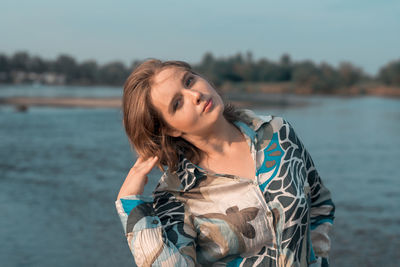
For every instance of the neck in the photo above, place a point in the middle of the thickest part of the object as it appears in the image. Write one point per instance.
(218, 141)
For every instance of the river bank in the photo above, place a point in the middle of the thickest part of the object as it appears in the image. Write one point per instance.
(267, 97)
(363, 89)
(238, 99)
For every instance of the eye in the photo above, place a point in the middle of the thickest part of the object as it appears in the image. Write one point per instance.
(189, 81)
(177, 104)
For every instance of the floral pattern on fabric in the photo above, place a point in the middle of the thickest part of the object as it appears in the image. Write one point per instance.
(195, 218)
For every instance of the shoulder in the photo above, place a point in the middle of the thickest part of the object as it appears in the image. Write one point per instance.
(168, 186)
(167, 199)
(260, 121)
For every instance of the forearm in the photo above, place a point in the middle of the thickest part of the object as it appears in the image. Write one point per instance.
(322, 208)
(321, 216)
(146, 237)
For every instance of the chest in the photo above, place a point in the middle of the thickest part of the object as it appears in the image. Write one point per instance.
(232, 215)
(239, 163)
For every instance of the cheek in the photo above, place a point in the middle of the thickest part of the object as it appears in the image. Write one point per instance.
(188, 117)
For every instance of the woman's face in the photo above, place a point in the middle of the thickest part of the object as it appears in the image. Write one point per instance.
(187, 102)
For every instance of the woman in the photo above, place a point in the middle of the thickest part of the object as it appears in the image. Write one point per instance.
(239, 190)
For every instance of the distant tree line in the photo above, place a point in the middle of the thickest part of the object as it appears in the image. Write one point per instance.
(320, 78)
(85, 73)
(324, 78)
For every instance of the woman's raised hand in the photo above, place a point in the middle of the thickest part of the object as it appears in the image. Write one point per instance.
(137, 177)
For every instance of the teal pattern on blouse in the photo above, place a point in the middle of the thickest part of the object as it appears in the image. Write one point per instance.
(196, 218)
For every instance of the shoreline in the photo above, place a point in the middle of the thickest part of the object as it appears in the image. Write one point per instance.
(239, 100)
(89, 102)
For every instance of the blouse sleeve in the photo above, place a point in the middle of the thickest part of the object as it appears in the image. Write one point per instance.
(322, 210)
(322, 207)
(156, 230)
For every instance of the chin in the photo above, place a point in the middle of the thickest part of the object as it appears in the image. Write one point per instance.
(219, 111)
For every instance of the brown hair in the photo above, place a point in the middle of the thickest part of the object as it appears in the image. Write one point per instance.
(144, 125)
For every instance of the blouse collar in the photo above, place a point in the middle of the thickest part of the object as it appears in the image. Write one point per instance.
(189, 174)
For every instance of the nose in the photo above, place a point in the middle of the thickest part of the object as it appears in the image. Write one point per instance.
(195, 95)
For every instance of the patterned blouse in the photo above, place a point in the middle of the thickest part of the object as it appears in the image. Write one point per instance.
(196, 218)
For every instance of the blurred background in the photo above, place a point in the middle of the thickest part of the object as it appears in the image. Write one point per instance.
(331, 68)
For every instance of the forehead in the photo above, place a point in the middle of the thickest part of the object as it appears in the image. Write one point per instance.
(167, 75)
(165, 85)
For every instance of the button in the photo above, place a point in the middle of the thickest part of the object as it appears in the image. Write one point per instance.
(269, 214)
(155, 222)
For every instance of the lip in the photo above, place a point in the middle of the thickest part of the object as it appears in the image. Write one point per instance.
(208, 105)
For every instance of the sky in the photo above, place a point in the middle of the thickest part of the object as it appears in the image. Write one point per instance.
(363, 32)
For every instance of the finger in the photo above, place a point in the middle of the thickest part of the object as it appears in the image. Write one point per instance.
(150, 163)
(139, 160)
(144, 166)
(153, 160)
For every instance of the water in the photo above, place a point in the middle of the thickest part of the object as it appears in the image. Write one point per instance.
(61, 169)
(59, 91)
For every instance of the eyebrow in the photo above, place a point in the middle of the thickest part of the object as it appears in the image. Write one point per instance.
(183, 79)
